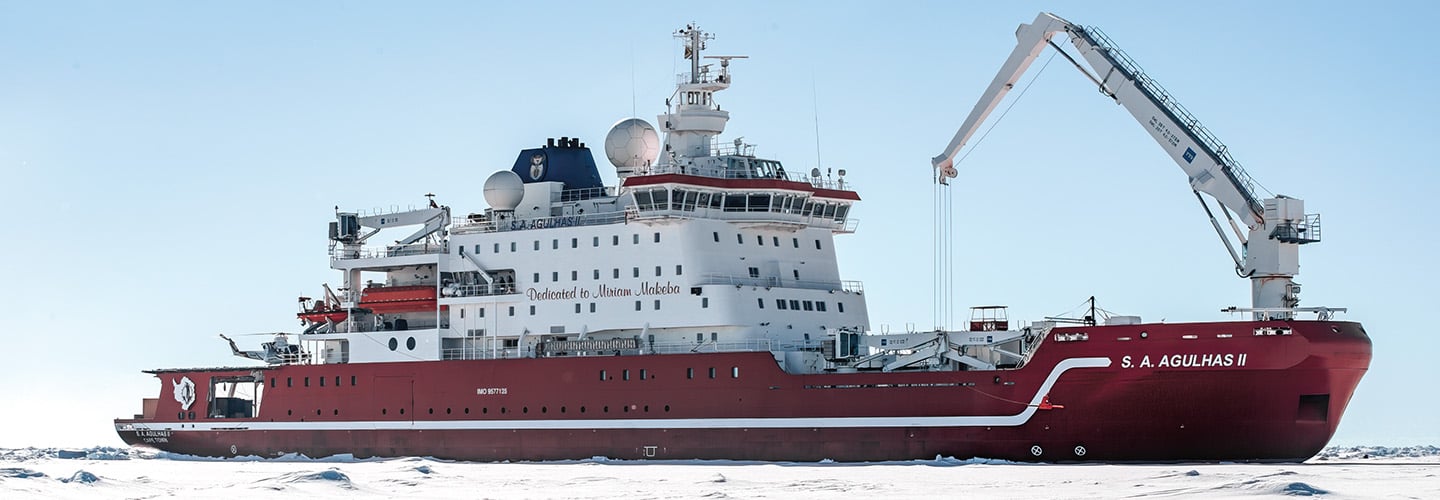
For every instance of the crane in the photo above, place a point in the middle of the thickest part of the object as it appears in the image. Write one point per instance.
(1275, 226)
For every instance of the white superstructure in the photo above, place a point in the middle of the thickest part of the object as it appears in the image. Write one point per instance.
(702, 247)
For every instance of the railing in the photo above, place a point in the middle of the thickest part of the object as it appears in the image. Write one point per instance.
(774, 281)
(339, 252)
(1178, 113)
(724, 172)
(518, 224)
(477, 290)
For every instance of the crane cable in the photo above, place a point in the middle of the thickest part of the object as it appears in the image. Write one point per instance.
(942, 256)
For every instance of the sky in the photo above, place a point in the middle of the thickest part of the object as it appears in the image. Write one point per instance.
(167, 169)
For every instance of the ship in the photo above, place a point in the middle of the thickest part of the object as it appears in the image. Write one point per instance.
(696, 310)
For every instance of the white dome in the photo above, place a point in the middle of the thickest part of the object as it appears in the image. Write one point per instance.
(504, 190)
(631, 144)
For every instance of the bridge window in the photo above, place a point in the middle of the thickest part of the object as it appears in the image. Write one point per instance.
(760, 240)
(794, 304)
(820, 306)
(754, 272)
(739, 239)
(817, 244)
(780, 304)
(809, 306)
(796, 241)
(716, 235)
(775, 240)
(761, 302)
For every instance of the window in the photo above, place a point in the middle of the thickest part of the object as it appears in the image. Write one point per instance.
(716, 235)
(616, 273)
(643, 375)
(657, 304)
(760, 240)
(462, 313)
(352, 381)
(679, 270)
(574, 242)
(635, 239)
(712, 372)
(595, 275)
(512, 310)
(734, 372)
(699, 339)
(595, 242)
(780, 304)
(840, 306)
(704, 302)
(482, 312)
(574, 275)
(555, 244)
(307, 381)
(624, 374)
(592, 307)
(796, 241)
(820, 305)
(817, 244)
(795, 305)
(739, 239)
(714, 337)
(537, 278)
(577, 308)
(637, 305)
(809, 306)
(754, 272)
(615, 240)
(761, 302)
(532, 310)
(602, 376)
(512, 246)
(635, 271)
(497, 248)
(322, 381)
(554, 275)
(795, 272)
(537, 244)
(289, 382)
(690, 372)
(657, 237)
(272, 381)
(775, 240)
(477, 248)
(657, 270)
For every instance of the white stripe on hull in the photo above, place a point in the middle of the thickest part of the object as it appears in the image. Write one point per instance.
(650, 423)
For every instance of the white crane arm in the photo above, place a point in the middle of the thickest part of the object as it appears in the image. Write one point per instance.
(1204, 159)
(1033, 38)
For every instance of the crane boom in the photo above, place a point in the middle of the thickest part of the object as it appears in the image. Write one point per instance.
(1277, 226)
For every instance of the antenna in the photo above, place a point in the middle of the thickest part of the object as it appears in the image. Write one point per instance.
(815, 110)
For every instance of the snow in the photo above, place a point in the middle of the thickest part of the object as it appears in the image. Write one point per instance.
(106, 472)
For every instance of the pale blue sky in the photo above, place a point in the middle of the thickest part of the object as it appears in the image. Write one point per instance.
(167, 168)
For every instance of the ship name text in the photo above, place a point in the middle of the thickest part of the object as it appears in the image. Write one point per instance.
(1186, 360)
(603, 291)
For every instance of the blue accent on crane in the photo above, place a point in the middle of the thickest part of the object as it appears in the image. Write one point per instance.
(1189, 155)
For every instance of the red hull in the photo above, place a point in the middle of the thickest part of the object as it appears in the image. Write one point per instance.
(1182, 392)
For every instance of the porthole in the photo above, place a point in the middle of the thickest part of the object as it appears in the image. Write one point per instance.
(384, 411)
(402, 411)
(582, 409)
(317, 412)
(432, 411)
(292, 412)
(544, 410)
(625, 409)
(667, 408)
(447, 411)
(503, 410)
(394, 344)
(562, 409)
(524, 409)
(410, 343)
(606, 409)
(647, 408)
(337, 411)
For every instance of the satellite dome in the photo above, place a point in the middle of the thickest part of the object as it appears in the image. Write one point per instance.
(504, 190)
(632, 144)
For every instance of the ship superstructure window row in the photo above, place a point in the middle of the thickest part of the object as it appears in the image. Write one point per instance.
(688, 200)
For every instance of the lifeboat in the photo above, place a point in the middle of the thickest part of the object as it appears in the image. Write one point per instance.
(398, 299)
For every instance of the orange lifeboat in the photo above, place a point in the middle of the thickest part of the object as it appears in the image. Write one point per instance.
(398, 299)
